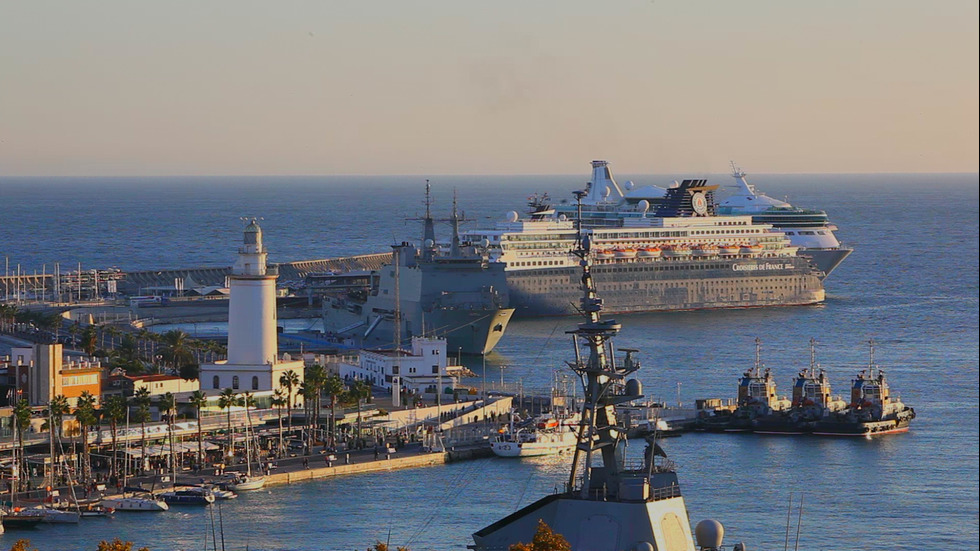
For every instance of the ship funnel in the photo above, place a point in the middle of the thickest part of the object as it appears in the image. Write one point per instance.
(709, 534)
(602, 187)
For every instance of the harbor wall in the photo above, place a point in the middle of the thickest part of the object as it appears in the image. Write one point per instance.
(393, 462)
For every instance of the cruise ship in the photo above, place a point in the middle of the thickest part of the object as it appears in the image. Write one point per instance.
(808, 229)
(674, 253)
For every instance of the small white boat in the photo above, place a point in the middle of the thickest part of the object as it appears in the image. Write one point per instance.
(548, 436)
(135, 504)
(246, 482)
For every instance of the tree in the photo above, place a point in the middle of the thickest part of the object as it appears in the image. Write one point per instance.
(358, 391)
(22, 545)
(545, 539)
(167, 405)
(226, 400)
(278, 401)
(86, 416)
(118, 545)
(177, 351)
(22, 422)
(333, 387)
(89, 340)
(290, 380)
(141, 399)
(114, 409)
(315, 378)
(199, 400)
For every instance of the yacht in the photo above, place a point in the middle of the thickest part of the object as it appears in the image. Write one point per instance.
(135, 503)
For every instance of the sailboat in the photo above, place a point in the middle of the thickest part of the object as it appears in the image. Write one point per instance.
(247, 481)
(133, 503)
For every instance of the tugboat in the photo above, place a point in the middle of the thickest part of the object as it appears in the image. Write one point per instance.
(812, 402)
(756, 399)
(872, 410)
(607, 502)
(551, 435)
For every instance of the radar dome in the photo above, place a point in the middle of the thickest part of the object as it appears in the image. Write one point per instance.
(629, 185)
(709, 533)
(634, 387)
(643, 205)
(512, 216)
(428, 244)
(675, 184)
(562, 218)
(606, 190)
(644, 546)
(485, 243)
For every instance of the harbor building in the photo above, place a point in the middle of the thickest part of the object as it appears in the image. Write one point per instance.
(253, 363)
(41, 372)
(419, 371)
(156, 384)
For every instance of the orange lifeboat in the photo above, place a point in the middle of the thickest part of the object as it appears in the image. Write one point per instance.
(706, 249)
(754, 249)
(729, 250)
(603, 254)
(624, 252)
(649, 252)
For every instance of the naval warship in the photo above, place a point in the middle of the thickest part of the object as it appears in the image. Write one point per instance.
(458, 294)
(614, 505)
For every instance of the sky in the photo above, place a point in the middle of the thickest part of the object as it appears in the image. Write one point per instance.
(243, 87)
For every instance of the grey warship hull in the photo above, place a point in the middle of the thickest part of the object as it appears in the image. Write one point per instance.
(667, 285)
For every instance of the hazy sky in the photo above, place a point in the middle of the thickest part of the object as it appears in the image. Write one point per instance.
(130, 87)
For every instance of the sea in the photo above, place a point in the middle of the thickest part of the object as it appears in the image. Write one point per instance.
(911, 285)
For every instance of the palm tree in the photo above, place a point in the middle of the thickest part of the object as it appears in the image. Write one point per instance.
(86, 416)
(89, 340)
(22, 422)
(278, 401)
(177, 349)
(316, 377)
(167, 405)
(199, 399)
(359, 390)
(141, 399)
(333, 387)
(248, 401)
(57, 409)
(226, 400)
(290, 380)
(114, 409)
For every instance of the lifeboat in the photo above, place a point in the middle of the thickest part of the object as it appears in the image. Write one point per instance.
(704, 250)
(755, 249)
(677, 250)
(649, 252)
(603, 254)
(624, 252)
(729, 250)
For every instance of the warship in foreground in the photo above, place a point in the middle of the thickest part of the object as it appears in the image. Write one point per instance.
(615, 505)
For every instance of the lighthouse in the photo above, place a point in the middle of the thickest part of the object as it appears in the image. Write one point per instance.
(253, 363)
(252, 306)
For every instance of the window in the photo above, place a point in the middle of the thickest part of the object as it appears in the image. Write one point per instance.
(234, 382)
(255, 383)
(435, 369)
(216, 382)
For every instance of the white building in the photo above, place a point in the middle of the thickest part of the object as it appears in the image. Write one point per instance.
(420, 371)
(253, 363)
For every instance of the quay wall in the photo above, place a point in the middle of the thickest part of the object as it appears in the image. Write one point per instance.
(379, 465)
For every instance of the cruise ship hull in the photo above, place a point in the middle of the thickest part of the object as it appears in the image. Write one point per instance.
(666, 285)
(827, 260)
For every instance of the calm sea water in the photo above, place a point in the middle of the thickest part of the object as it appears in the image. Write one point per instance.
(911, 284)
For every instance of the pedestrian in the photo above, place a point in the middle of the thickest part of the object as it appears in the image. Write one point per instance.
(306, 463)
(347, 458)
(375, 453)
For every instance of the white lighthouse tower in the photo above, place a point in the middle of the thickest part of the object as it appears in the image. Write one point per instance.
(253, 364)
